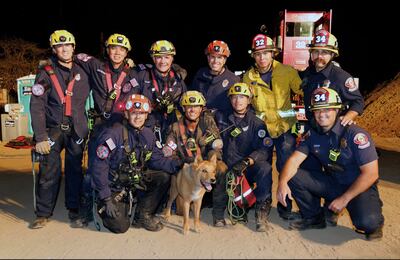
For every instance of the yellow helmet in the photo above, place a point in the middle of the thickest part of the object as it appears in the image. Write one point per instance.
(324, 40)
(324, 97)
(120, 40)
(61, 37)
(162, 47)
(193, 98)
(240, 88)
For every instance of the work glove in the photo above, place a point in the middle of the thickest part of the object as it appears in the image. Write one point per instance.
(43, 147)
(239, 168)
(111, 209)
(130, 62)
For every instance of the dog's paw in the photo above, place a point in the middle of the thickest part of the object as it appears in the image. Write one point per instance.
(197, 229)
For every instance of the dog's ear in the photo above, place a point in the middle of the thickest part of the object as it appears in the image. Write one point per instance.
(198, 159)
(213, 158)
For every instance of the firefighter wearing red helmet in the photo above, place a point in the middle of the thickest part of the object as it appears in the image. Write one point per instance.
(214, 81)
(323, 71)
(272, 83)
(348, 176)
(126, 155)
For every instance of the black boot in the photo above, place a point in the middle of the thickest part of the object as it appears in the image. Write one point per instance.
(147, 221)
(317, 222)
(262, 212)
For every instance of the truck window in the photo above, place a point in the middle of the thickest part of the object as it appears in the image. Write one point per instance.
(303, 29)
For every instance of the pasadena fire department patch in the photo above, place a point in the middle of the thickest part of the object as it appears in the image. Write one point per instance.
(37, 90)
(351, 84)
(102, 152)
(361, 140)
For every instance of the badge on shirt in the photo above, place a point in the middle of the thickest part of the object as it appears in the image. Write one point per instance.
(102, 152)
(225, 83)
(361, 140)
(351, 84)
(37, 90)
(158, 144)
(261, 133)
(78, 77)
(267, 142)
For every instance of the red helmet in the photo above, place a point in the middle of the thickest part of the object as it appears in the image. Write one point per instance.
(138, 103)
(263, 42)
(324, 40)
(218, 47)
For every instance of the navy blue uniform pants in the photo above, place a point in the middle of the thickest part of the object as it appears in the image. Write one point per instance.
(308, 188)
(49, 178)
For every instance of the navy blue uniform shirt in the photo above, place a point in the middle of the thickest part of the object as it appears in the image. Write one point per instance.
(354, 143)
(110, 152)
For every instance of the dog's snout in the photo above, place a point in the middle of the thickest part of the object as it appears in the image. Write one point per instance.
(212, 180)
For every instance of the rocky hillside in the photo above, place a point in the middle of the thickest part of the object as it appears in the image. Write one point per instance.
(381, 116)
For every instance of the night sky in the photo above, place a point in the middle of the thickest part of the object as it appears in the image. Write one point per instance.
(366, 34)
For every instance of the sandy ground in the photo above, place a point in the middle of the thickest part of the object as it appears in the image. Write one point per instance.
(58, 240)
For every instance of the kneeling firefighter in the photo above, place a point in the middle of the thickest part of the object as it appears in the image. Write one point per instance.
(129, 158)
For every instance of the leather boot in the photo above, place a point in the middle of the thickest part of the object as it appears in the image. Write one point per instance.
(39, 222)
(316, 222)
(148, 222)
(262, 212)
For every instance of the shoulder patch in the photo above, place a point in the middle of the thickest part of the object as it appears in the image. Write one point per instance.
(361, 140)
(351, 84)
(267, 142)
(37, 90)
(110, 143)
(306, 135)
(158, 144)
(261, 133)
(142, 66)
(102, 152)
(83, 57)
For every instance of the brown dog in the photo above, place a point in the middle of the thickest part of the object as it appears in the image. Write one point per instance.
(190, 183)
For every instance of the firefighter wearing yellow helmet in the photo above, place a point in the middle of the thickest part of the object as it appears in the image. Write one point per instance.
(346, 177)
(324, 72)
(59, 122)
(273, 83)
(193, 98)
(163, 83)
(119, 40)
(247, 149)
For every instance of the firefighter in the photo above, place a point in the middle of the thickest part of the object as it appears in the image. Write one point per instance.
(112, 80)
(324, 72)
(57, 109)
(247, 146)
(196, 134)
(349, 176)
(164, 85)
(272, 83)
(214, 81)
(129, 151)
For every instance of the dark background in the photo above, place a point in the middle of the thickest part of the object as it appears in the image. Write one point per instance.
(366, 31)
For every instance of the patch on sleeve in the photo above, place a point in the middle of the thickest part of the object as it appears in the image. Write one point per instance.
(267, 141)
(158, 144)
(261, 133)
(110, 143)
(83, 57)
(172, 145)
(37, 90)
(102, 152)
(351, 84)
(361, 140)
(225, 83)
